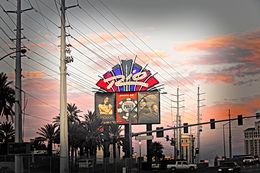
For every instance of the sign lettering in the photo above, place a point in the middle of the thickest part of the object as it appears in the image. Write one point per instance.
(121, 80)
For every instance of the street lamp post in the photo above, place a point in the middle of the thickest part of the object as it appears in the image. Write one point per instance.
(18, 88)
(23, 51)
(140, 153)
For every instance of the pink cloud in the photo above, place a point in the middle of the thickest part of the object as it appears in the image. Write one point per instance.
(245, 107)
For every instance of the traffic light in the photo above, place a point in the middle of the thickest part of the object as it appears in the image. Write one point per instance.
(172, 142)
(212, 123)
(186, 128)
(159, 134)
(167, 138)
(197, 151)
(240, 120)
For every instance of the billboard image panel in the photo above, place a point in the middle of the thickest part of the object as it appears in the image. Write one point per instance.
(105, 106)
(126, 106)
(148, 107)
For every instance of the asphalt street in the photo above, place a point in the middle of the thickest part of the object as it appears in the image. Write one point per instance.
(244, 169)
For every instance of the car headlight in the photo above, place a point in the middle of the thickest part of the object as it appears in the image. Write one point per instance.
(230, 169)
(219, 170)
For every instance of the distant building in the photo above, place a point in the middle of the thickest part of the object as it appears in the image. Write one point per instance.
(187, 143)
(252, 140)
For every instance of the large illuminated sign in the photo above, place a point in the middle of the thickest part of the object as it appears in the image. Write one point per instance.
(127, 76)
(128, 92)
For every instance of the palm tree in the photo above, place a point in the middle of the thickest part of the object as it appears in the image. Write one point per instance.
(38, 144)
(6, 132)
(72, 112)
(157, 151)
(49, 133)
(6, 135)
(115, 130)
(7, 98)
(93, 130)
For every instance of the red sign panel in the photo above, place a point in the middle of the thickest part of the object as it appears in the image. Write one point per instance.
(126, 104)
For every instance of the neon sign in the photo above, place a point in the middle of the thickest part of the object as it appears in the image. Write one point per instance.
(127, 76)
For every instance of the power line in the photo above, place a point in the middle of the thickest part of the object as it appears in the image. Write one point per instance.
(122, 22)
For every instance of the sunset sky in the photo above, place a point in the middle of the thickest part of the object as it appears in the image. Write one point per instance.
(190, 43)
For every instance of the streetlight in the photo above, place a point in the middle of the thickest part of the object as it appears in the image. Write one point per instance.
(23, 51)
(140, 153)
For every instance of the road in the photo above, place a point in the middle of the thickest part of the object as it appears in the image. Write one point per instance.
(244, 169)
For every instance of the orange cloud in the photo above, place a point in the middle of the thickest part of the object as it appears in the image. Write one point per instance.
(33, 74)
(246, 107)
(231, 58)
(213, 77)
(205, 44)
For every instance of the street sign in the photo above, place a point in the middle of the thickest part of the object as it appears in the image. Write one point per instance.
(19, 148)
(139, 138)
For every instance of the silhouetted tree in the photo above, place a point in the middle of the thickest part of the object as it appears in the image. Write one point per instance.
(7, 97)
(157, 151)
(6, 135)
(49, 133)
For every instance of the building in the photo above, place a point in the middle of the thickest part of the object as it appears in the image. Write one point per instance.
(187, 144)
(252, 140)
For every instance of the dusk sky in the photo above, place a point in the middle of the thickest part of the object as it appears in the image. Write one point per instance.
(190, 43)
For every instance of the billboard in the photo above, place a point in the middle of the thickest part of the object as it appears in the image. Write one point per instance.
(148, 107)
(126, 106)
(128, 90)
(105, 106)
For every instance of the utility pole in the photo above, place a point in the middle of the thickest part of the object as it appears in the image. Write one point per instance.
(174, 155)
(18, 86)
(178, 123)
(198, 121)
(230, 136)
(64, 150)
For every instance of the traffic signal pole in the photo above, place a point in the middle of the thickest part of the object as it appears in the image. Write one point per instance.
(189, 125)
(230, 135)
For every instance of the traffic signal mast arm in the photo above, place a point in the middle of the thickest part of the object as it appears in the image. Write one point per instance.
(190, 125)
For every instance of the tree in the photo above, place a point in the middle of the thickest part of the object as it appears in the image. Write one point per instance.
(49, 133)
(93, 131)
(157, 151)
(6, 132)
(73, 114)
(38, 144)
(115, 130)
(6, 135)
(7, 98)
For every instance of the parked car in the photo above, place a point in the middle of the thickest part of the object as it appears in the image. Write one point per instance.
(181, 165)
(229, 167)
(249, 160)
(257, 159)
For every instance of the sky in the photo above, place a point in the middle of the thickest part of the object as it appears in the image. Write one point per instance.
(190, 43)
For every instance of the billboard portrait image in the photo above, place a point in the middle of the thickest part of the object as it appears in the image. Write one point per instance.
(126, 106)
(105, 106)
(148, 108)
